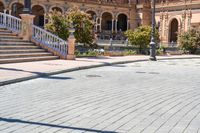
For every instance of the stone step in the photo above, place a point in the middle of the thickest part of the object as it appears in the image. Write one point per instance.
(14, 49)
(18, 47)
(11, 40)
(3, 56)
(7, 34)
(10, 51)
(15, 43)
(5, 31)
(27, 59)
(9, 37)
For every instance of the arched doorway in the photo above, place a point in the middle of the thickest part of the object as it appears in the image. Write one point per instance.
(173, 31)
(58, 9)
(92, 14)
(17, 9)
(122, 22)
(38, 11)
(106, 23)
(1, 7)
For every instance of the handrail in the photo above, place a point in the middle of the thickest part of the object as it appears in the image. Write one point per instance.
(51, 41)
(10, 22)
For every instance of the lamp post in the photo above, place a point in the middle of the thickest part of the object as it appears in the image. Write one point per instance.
(27, 6)
(153, 43)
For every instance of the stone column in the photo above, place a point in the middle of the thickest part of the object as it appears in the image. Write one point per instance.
(128, 21)
(10, 12)
(5, 11)
(27, 22)
(71, 46)
(100, 24)
(45, 19)
(96, 24)
(112, 25)
(116, 25)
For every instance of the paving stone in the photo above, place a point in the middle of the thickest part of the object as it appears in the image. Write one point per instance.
(155, 97)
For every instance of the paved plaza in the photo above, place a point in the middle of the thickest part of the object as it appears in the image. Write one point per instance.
(141, 97)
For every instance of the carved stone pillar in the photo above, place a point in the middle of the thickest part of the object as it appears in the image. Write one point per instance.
(189, 17)
(161, 27)
(166, 28)
(183, 20)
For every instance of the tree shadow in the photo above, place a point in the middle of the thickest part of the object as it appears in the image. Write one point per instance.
(52, 125)
(40, 74)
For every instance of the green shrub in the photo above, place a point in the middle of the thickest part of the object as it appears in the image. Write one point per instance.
(59, 24)
(88, 53)
(129, 52)
(161, 50)
(190, 40)
(141, 37)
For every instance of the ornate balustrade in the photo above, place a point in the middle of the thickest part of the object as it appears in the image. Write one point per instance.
(49, 40)
(10, 22)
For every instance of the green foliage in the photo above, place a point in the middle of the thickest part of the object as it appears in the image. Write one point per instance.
(83, 25)
(88, 53)
(97, 52)
(129, 52)
(190, 40)
(59, 24)
(161, 50)
(141, 37)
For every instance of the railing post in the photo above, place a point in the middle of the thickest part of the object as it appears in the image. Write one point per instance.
(71, 45)
(27, 28)
(4, 18)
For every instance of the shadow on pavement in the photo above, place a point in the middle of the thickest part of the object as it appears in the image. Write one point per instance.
(40, 74)
(52, 125)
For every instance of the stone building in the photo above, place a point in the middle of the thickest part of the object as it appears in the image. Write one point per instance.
(174, 17)
(112, 17)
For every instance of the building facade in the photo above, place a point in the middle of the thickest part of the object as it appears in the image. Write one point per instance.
(175, 17)
(112, 17)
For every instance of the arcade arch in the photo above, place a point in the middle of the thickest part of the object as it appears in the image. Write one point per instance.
(39, 12)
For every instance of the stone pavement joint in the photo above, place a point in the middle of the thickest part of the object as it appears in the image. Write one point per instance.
(18, 72)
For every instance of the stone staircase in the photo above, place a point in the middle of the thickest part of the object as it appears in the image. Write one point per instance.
(13, 49)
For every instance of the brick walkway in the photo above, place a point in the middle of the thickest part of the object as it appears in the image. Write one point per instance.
(147, 97)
